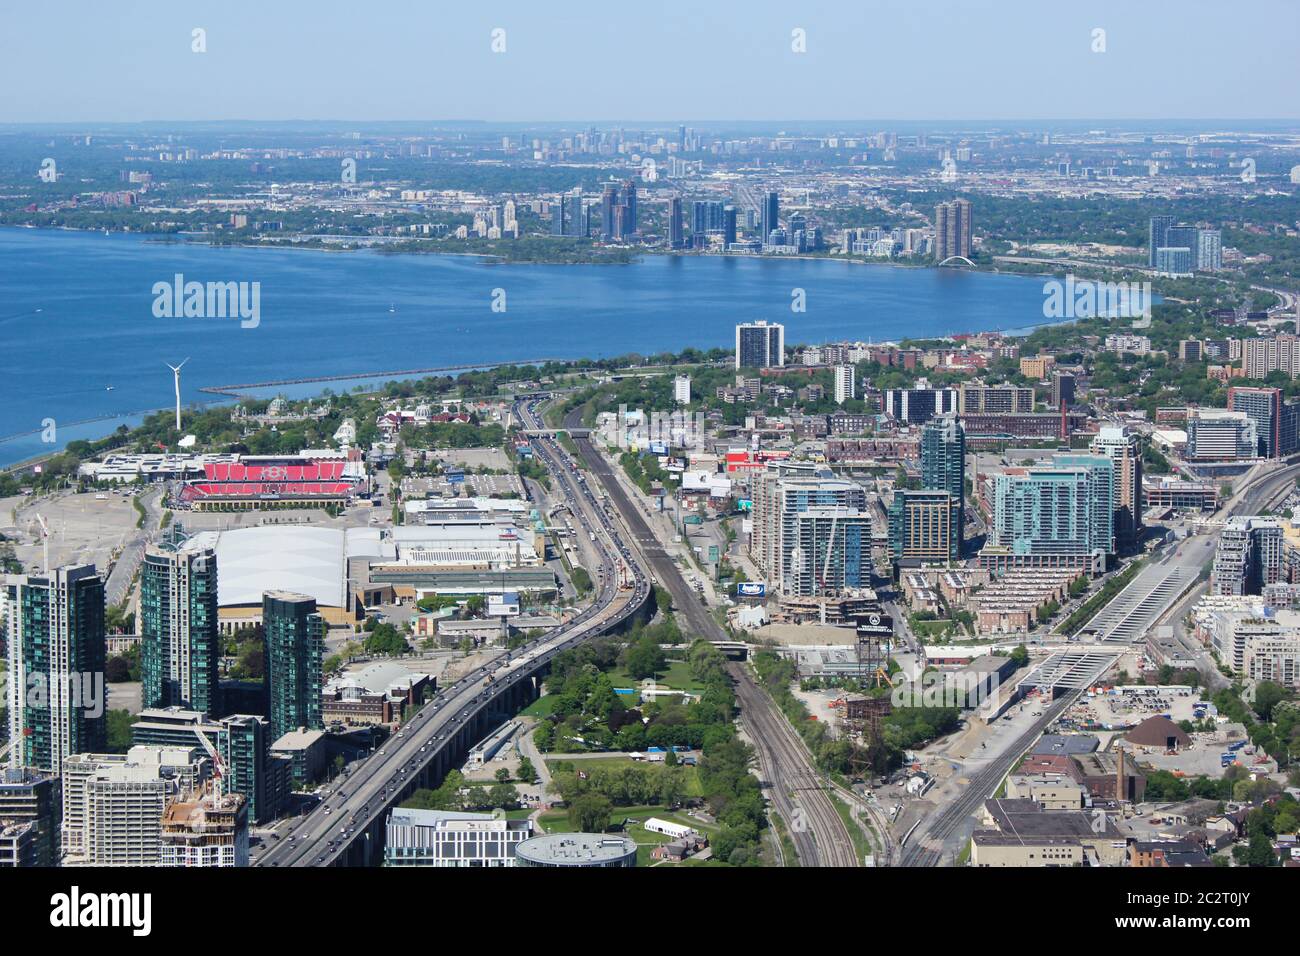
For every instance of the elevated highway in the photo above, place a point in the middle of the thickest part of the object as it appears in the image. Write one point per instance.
(347, 827)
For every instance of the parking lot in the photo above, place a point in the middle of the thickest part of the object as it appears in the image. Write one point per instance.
(85, 528)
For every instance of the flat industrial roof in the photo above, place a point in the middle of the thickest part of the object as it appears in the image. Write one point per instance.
(299, 558)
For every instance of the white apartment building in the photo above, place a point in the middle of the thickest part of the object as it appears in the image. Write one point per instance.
(113, 804)
(846, 384)
(1266, 354)
(1274, 658)
(447, 838)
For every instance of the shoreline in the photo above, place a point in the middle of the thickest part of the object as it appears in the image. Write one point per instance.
(233, 391)
(367, 244)
(405, 374)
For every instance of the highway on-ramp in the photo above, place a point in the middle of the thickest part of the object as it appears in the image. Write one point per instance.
(345, 825)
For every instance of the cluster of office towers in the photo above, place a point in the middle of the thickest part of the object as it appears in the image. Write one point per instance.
(1174, 249)
(926, 525)
(709, 217)
(1076, 511)
(571, 215)
(62, 794)
(811, 530)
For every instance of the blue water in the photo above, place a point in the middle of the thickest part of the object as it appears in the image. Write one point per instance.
(328, 314)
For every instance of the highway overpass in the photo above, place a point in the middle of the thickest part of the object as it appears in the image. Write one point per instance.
(347, 827)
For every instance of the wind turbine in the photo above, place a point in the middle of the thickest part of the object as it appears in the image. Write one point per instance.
(176, 372)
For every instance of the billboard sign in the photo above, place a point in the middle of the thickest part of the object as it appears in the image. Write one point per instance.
(751, 589)
(873, 625)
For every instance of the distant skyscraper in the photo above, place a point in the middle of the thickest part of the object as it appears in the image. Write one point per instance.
(577, 225)
(608, 203)
(629, 201)
(828, 550)
(682, 389)
(812, 530)
(1184, 237)
(1063, 389)
(1061, 514)
(1264, 407)
(1175, 260)
(1209, 250)
(845, 383)
(760, 345)
(943, 464)
(769, 215)
(54, 637)
(180, 647)
(729, 224)
(557, 215)
(251, 769)
(676, 230)
(294, 647)
(1157, 229)
(699, 216)
(923, 527)
(952, 229)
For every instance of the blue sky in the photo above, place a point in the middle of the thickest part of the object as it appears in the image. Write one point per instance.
(131, 60)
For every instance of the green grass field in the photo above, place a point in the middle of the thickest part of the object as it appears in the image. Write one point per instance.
(541, 707)
(677, 676)
(689, 774)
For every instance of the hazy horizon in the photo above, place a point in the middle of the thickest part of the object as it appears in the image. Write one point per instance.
(949, 61)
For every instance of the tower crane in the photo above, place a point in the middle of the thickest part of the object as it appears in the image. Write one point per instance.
(218, 765)
(45, 543)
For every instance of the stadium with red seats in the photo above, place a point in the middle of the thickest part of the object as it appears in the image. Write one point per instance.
(253, 483)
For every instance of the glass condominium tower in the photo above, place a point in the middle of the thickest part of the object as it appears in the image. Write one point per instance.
(943, 466)
(54, 638)
(295, 645)
(180, 646)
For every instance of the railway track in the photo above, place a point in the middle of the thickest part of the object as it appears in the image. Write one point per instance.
(927, 846)
(799, 792)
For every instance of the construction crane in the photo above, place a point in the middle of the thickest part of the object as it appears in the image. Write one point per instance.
(45, 543)
(830, 546)
(218, 766)
(826, 565)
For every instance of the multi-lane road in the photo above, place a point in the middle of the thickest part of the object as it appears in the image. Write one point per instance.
(799, 792)
(1127, 619)
(346, 827)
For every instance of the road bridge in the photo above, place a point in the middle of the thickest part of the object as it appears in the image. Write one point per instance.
(347, 827)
